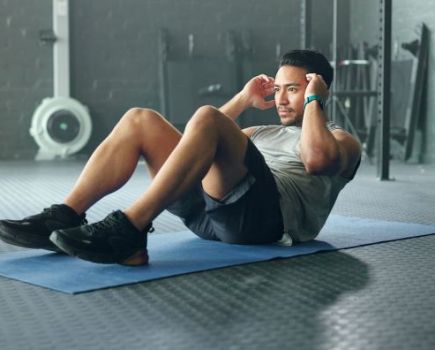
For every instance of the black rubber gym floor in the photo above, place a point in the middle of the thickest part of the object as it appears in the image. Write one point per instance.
(375, 297)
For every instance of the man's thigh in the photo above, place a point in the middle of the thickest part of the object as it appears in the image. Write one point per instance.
(248, 214)
(228, 167)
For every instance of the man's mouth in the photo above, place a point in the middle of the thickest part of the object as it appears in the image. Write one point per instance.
(284, 111)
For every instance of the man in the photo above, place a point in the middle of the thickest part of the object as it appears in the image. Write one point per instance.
(253, 186)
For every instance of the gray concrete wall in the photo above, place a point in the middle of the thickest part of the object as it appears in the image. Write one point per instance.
(26, 72)
(407, 16)
(114, 53)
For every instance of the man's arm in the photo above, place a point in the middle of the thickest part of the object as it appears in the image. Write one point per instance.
(324, 152)
(253, 94)
(236, 106)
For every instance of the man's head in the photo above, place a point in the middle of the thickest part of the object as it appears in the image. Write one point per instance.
(291, 82)
(311, 61)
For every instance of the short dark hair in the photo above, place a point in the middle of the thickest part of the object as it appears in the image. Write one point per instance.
(312, 61)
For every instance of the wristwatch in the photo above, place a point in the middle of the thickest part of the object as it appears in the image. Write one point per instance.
(312, 98)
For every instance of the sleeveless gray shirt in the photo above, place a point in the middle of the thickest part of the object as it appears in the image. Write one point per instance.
(305, 200)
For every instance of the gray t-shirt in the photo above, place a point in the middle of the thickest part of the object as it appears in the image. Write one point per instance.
(305, 200)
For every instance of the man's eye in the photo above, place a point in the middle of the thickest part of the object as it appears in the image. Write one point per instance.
(291, 89)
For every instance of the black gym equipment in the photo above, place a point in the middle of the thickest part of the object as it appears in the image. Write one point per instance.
(368, 78)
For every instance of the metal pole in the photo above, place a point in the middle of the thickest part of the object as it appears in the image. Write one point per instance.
(163, 73)
(305, 24)
(61, 48)
(334, 58)
(384, 89)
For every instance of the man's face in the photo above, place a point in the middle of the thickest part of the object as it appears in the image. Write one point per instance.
(290, 85)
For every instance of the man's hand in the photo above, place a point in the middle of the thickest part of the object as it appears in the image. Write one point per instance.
(253, 94)
(256, 90)
(316, 86)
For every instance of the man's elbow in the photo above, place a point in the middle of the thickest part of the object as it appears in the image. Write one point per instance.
(322, 166)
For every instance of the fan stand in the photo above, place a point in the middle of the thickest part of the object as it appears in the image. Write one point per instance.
(61, 125)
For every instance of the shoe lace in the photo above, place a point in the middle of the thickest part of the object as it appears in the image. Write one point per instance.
(103, 225)
(111, 223)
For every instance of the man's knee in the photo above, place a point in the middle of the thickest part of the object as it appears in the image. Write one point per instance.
(205, 117)
(207, 110)
(137, 117)
(143, 120)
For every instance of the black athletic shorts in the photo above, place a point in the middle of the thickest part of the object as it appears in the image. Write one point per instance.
(249, 213)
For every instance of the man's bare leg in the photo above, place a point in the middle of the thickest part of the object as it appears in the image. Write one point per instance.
(212, 149)
(140, 132)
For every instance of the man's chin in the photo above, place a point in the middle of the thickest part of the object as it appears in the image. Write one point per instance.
(289, 121)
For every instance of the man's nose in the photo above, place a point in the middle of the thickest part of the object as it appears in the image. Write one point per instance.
(282, 98)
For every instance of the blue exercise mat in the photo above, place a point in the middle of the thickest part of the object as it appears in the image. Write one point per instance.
(182, 252)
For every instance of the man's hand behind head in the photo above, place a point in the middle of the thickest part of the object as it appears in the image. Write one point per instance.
(316, 86)
(256, 90)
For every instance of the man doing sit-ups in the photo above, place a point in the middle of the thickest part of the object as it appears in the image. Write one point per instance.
(259, 185)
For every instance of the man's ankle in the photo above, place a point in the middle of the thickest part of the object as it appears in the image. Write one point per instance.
(140, 224)
(74, 209)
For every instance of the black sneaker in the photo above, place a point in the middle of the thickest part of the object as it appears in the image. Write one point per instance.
(112, 240)
(34, 231)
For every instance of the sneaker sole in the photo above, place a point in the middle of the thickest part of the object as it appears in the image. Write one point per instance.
(139, 258)
(31, 241)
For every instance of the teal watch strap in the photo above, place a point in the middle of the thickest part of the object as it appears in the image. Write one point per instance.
(312, 98)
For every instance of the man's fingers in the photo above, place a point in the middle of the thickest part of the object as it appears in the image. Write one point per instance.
(268, 104)
(266, 78)
(269, 90)
(316, 85)
(311, 76)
